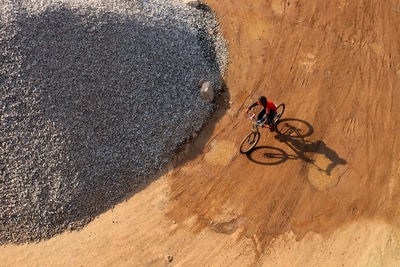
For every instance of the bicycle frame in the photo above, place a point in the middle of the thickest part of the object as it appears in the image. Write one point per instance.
(256, 124)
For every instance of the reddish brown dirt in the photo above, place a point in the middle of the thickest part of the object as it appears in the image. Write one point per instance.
(336, 67)
(324, 192)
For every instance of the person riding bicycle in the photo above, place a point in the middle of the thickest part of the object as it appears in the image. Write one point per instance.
(269, 109)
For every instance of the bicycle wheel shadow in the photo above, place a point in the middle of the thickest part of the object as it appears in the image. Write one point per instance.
(293, 132)
(267, 155)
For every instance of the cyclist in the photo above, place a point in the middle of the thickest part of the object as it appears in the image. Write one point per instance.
(269, 109)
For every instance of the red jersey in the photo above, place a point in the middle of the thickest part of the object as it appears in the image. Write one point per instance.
(269, 106)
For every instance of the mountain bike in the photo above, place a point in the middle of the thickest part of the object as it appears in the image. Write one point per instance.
(251, 140)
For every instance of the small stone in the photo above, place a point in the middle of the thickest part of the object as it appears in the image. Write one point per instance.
(174, 222)
(192, 3)
(207, 92)
(169, 258)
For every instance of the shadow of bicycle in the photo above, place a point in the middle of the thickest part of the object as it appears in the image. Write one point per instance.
(293, 136)
(293, 133)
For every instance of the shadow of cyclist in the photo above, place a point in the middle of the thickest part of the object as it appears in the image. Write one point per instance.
(301, 146)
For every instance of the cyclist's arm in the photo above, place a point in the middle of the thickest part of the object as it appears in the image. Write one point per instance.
(252, 106)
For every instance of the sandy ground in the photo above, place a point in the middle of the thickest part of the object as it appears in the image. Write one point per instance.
(324, 193)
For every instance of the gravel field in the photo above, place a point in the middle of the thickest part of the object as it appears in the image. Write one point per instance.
(95, 97)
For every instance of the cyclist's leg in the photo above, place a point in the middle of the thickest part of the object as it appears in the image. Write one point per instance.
(271, 117)
(261, 114)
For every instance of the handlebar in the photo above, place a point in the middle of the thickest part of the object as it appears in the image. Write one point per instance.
(252, 117)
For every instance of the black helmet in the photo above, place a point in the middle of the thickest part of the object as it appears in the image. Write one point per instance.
(262, 100)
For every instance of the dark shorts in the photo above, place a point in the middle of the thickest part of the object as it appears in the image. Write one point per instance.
(270, 116)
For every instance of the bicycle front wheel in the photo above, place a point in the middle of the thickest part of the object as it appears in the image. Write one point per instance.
(249, 142)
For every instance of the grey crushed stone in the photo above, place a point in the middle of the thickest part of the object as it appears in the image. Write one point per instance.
(94, 98)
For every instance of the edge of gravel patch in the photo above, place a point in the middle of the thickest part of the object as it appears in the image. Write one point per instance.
(74, 135)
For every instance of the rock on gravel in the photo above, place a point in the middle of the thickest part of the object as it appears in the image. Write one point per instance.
(94, 98)
(207, 92)
(192, 3)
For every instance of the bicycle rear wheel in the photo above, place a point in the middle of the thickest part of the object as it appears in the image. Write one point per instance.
(249, 142)
(279, 112)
